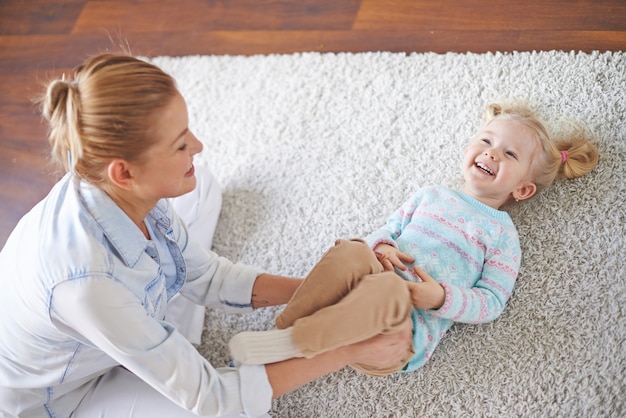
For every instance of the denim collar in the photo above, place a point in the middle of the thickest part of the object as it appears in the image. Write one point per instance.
(117, 227)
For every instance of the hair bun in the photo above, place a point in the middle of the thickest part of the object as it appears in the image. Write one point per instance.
(56, 98)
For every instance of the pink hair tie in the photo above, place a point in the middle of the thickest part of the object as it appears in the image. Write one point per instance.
(563, 156)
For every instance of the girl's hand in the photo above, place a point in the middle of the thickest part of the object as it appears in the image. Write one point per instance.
(384, 350)
(389, 256)
(428, 294)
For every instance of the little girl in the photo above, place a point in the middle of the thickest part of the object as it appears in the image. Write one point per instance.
(444, 256)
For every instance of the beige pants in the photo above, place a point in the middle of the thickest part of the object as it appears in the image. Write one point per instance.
(346, 298)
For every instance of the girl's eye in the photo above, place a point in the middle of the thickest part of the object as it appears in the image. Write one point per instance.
(486, 141)
(511, 154)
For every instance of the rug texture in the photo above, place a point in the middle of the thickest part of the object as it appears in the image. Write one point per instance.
(313, 147)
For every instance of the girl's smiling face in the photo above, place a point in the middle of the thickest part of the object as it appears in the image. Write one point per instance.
(497, 163)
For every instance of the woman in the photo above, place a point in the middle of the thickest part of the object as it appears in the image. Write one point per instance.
(88, 273)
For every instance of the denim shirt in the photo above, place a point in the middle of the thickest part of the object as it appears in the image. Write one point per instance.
(82, 290)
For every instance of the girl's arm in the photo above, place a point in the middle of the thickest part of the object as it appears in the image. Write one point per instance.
(396, 223)
(484, 301)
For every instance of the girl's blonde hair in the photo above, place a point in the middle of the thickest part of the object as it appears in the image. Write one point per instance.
(558, 158)
(104, 110)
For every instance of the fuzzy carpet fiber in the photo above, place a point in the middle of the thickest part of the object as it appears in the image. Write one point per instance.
(313, 147)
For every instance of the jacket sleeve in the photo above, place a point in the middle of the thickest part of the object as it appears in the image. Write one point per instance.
(105, 316)
(212, 280)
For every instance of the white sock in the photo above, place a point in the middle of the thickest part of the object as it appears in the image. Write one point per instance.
(263, 347)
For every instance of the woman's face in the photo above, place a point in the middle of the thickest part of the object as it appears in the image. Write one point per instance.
(167, 167)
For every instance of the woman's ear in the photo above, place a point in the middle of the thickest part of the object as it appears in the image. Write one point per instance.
(525, 191)
(119, 174)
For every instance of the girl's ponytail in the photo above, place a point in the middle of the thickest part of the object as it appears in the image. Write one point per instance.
(578, 157)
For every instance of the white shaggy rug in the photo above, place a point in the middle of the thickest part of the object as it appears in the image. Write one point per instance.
(312, 147)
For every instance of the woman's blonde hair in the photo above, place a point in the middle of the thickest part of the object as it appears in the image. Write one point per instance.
(558, 158)
(104, 110)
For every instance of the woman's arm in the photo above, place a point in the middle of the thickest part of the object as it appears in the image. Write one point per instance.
(271, 290)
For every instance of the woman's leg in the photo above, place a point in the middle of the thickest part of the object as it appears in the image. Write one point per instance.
(119, 394)
(200, 210)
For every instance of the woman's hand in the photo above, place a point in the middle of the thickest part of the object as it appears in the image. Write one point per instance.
(384, 350)
(389, 256)
(428, 294)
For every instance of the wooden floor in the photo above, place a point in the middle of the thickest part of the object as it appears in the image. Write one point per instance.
(43, 38)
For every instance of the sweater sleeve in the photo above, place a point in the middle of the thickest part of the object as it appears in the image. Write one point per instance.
(389, 233)
(486, 300)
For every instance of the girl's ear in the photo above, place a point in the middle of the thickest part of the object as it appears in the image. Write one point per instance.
(119, 173)
(525, 191)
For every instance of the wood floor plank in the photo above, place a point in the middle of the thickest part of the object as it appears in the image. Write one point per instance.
(248, 15)
(494, 15)
(20, 17)
(63, 52)
(573, 40)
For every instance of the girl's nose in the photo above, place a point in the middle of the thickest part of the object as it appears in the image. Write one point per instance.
(492, 154)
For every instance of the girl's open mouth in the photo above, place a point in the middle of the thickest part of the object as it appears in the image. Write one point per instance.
(484, 168)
